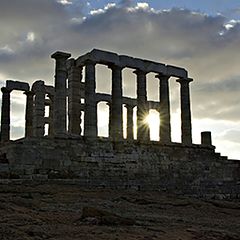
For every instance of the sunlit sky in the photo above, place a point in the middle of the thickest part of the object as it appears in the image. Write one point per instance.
(201, 36)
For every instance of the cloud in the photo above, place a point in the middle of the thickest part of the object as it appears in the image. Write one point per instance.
(125, 3)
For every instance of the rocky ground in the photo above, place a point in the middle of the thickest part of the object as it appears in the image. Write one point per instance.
(57, 211)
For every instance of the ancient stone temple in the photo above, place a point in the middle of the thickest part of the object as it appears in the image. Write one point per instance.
(78, 154)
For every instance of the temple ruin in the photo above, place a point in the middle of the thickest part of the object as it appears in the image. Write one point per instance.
(70, 152)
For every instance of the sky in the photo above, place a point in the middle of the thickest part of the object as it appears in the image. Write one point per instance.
(201, 36)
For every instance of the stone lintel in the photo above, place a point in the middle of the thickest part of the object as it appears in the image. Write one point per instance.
(49, 90)
(17, 85)
(104, 97)
(107, 58)
(156, 67)
(98, 56)
(131, 62)
(59, 55)
(176, 72)
(154, 105)
(28, 93)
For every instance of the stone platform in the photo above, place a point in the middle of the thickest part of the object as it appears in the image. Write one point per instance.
(192, 170)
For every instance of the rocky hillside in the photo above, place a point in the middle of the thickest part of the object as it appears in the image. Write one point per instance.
(61, 211)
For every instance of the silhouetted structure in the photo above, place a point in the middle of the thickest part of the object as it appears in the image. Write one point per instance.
(114, 161)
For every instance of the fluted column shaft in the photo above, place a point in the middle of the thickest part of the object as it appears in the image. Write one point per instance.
(5, 117)
(74, 99)
(29, 114)
(142, 106)
(116, 106)
(59, 121)
(90, 110)
(39, 109)
(165, 125)
(129, 121)
(185, 110)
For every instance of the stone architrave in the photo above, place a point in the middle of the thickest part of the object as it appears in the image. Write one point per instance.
(59, 116)
(5, 117)
(74, 98)
(116, 106)
(143, 132)
(90, 110)
(165, 125)
(129, 121)
(39, 109)
(185, 110)
(29, 114)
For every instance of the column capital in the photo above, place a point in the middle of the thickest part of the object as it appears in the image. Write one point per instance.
(129, 106)
(90, 62)
(50, 95)
(61, 55)
(184, 80)
(115, 67)
(29, 93)
(140, 72)
(5, 90)
(162, 77)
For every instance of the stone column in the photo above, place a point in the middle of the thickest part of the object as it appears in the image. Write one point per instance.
(5, 117)
(116, 109)
(39, 109)
(185, 110)
(29, 114)
(59, 117)
(206, 138)
(143, 132)
(165, 125)
(129, 121)
(90, 110)
(74, 98)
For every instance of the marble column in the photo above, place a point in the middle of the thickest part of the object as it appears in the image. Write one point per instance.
(59, 117)
(185, 110)
(29, 114)
(116, 107)
(74, 99)
(165, 125)
(90, 110)
(129, 121)
(5, 117)
(39, 109)
(143, 131)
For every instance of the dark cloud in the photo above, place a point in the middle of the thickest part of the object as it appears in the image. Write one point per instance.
(126, 3)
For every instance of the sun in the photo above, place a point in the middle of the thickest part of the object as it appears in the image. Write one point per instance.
(153, 121)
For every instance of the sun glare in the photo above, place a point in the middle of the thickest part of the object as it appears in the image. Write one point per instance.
(152, 119)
